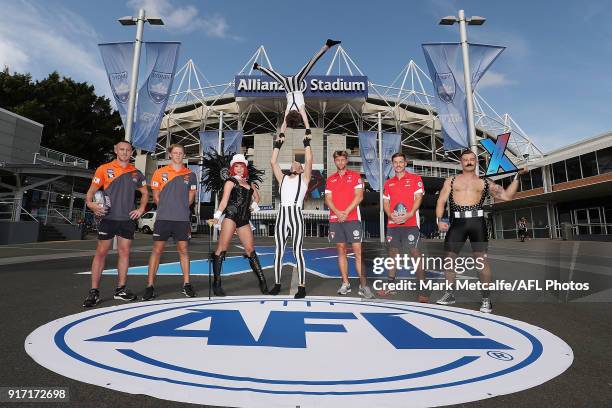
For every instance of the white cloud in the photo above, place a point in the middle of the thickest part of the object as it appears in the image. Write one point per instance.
(13, 57)
(493, 79)
(185, 18)
(39, 39)
(517, 46)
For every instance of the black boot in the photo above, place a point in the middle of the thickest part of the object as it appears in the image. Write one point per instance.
(255, 66)
(256, 267)
(276, 289)
(301, 293)
(217, 261)
(330, 43)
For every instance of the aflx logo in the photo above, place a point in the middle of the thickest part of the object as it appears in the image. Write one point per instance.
(497, 150)
(287, 329)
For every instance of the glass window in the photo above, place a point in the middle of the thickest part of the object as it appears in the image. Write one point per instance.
(573, 168)
(604, 159)
(589, 164)
(559, 175)
(541, 233)
(505, 182)
(539, 217)
(508, 221)
(536, 178)
(509, 234)
(608, 215)
(524, 212)
(526, 182)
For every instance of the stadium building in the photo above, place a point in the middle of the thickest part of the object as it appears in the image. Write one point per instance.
(565, 195)
(340, 103)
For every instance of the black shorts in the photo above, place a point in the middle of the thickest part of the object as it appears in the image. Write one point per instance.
(348, 232)
(179, 230)
(463, 228)
(109, 228)
(403, 238)
(240, 221)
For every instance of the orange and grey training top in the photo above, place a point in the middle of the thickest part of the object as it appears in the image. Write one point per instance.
(174, 187)
(120, 185)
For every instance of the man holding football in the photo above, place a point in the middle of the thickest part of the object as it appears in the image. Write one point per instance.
(402, 197)
(119, 181)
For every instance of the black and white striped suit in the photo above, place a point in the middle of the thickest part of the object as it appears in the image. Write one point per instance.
(290, 221)
(294, 84)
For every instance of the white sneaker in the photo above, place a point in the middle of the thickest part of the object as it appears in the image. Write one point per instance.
(345, 288)
(486, 306)
(446, 299)
(365, 292)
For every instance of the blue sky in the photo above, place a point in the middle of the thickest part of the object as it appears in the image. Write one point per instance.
(553, 79)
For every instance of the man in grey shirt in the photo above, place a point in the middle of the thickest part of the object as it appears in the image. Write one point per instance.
(174, 188)
(119, 181)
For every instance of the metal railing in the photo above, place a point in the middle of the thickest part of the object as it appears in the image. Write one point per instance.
(62, 216)
(605, 228)
(46, 155)
(10, 211)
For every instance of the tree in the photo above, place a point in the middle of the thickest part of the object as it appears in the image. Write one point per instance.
(76, 121)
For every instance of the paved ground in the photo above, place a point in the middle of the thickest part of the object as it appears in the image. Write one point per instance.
(40, 283)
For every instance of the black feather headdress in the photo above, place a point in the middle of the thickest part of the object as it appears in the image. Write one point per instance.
(215, 171)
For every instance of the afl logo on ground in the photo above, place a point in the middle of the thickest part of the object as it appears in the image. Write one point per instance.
(245, 351)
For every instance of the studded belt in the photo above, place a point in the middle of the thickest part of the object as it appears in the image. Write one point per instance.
(469, 214)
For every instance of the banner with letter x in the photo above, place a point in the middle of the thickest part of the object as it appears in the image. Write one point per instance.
(499, 162)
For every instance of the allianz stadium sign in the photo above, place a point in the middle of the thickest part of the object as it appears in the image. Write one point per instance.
(324, 352)
(317, 86)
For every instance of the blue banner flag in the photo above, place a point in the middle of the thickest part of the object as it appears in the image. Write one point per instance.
(497, 150)
(232, 141)
(369, 157)
(447, 77)
(209, 141)
(197, 170)
(153, 94)
(117, 59)
(390, 144)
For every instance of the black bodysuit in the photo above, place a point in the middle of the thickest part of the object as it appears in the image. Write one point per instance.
(462, 228)
(239, 204)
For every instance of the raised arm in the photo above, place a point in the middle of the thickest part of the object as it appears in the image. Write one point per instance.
(278, 173)
(308, 160)
(499, 193)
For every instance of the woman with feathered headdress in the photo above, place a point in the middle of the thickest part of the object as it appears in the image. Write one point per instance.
(238, 181)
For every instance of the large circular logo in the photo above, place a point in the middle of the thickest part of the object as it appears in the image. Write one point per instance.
(326, 352)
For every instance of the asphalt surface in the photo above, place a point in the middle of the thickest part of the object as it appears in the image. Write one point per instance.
(40, 283)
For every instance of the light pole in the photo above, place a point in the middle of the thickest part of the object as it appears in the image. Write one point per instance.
(139, 23)
(381, 180)
(467, 77)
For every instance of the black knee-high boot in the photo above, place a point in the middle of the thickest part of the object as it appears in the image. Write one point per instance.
(256, 267)
(217, 261)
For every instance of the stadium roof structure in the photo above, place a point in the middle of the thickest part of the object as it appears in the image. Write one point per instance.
(405, 106)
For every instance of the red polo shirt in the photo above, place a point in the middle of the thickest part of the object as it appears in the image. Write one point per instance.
(401, 194)
(342, 190)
